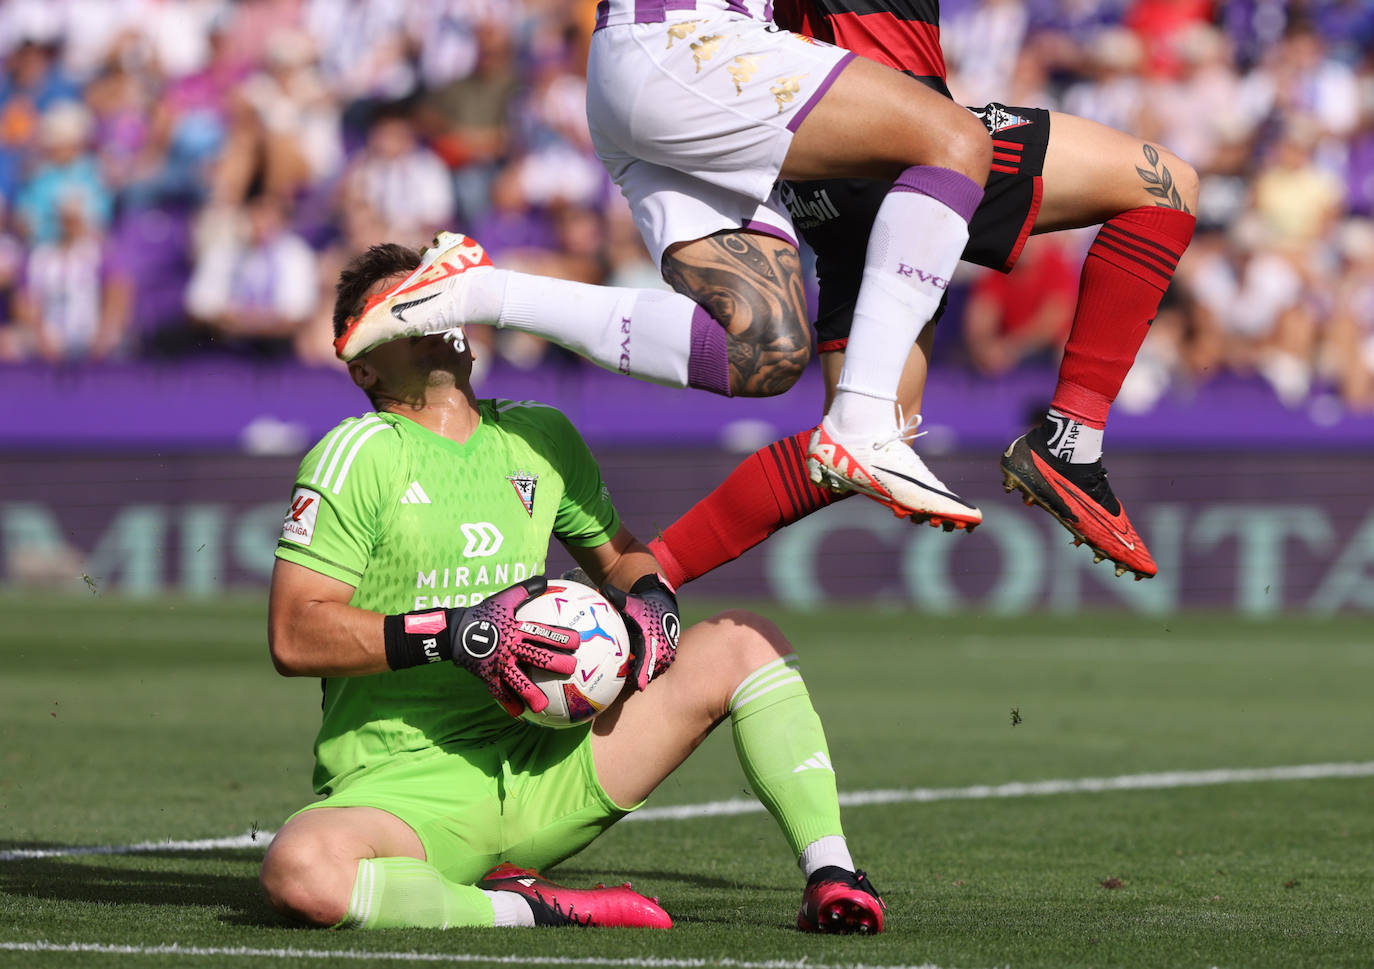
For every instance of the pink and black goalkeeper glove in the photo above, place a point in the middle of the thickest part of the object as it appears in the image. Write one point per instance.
(489, 642)
(650, 614)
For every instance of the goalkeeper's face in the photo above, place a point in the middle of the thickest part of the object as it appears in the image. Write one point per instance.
(405, 369)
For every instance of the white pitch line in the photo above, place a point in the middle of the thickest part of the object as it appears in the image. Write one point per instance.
(250, 839)
(438, 957)
(981, 792)
(714, 809)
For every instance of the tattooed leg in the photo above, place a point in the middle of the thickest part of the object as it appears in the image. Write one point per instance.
(1093, 172)
(752, 284)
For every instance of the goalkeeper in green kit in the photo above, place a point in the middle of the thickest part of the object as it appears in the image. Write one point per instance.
(413, 535)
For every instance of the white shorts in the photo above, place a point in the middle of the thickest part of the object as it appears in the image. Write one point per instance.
(693, 119)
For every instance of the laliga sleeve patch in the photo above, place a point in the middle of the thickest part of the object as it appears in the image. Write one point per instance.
(299, 524)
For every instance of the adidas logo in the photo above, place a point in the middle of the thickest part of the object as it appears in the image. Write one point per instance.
(817, 761)
(415, 495)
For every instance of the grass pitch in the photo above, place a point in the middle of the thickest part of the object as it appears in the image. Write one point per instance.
(128, 723)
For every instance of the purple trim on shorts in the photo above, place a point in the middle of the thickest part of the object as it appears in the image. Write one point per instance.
(763, 228)
(815, 98)
(708, 365)
(603, 11)
(954, 189)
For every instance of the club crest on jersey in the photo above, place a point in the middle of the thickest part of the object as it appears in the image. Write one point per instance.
(997, 118)
(524, 483)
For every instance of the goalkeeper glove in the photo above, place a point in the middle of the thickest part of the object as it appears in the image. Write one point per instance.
(650, 614)
(489, 642)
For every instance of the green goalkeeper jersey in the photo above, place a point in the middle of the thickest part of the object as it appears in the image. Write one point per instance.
(413, 520)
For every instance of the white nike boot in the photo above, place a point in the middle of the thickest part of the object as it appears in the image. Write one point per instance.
(886, 469)
(427, 301)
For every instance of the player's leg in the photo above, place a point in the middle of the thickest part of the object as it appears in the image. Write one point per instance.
(358, 866)
(878, 123)
(1094, 172)
(875, 122)
(752, 284)
(650, 334)
(1144, 197)
(740, 666)
(736, 325)
(766, 491)
(362, 867)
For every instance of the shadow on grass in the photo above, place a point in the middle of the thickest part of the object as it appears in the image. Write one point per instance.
(165, 878)
(143, 879)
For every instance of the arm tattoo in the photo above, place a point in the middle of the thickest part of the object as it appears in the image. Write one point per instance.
(752, 284)
(1159, 182)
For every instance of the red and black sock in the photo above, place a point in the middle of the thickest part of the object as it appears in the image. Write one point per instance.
(1127, 270)
(768, 490)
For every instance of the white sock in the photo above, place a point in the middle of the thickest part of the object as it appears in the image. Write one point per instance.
(1072, 440)
(918, 235)
(856, 411)
(654, 335)
(511, 909)
(830, 850)
(478, 296)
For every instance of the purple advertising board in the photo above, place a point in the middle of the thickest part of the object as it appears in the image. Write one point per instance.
(230, 405)
(1252, 532)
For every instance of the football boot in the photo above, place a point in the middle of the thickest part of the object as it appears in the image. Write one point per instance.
(427, 301)
(840, 902)
(886, 469)
(555, 904)
(1079, 497)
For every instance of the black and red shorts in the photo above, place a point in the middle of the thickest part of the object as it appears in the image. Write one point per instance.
(834, 217)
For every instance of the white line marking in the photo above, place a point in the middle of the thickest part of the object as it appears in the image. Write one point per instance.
(980, 792)
(715, 809)
(251, 839)
(439, 957)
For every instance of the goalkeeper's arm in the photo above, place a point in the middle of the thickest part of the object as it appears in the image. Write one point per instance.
(313, 631)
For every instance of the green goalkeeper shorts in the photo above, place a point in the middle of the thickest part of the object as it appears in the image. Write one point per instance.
(531, 798)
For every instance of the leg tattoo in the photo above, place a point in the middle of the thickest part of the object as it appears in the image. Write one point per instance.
(752, 284)
(1159, 182)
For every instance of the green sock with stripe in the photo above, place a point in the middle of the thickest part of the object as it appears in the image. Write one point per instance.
(781, 746)
(391, 893)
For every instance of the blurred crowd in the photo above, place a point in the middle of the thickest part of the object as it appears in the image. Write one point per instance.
(1273, 104)
(187, 176)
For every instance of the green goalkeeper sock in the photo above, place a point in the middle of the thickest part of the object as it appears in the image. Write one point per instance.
(781, 746)
(392, 893)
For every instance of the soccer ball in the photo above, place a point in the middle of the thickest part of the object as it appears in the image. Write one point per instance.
(603, 658)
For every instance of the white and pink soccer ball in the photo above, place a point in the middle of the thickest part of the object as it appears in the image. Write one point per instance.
(603, 657)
